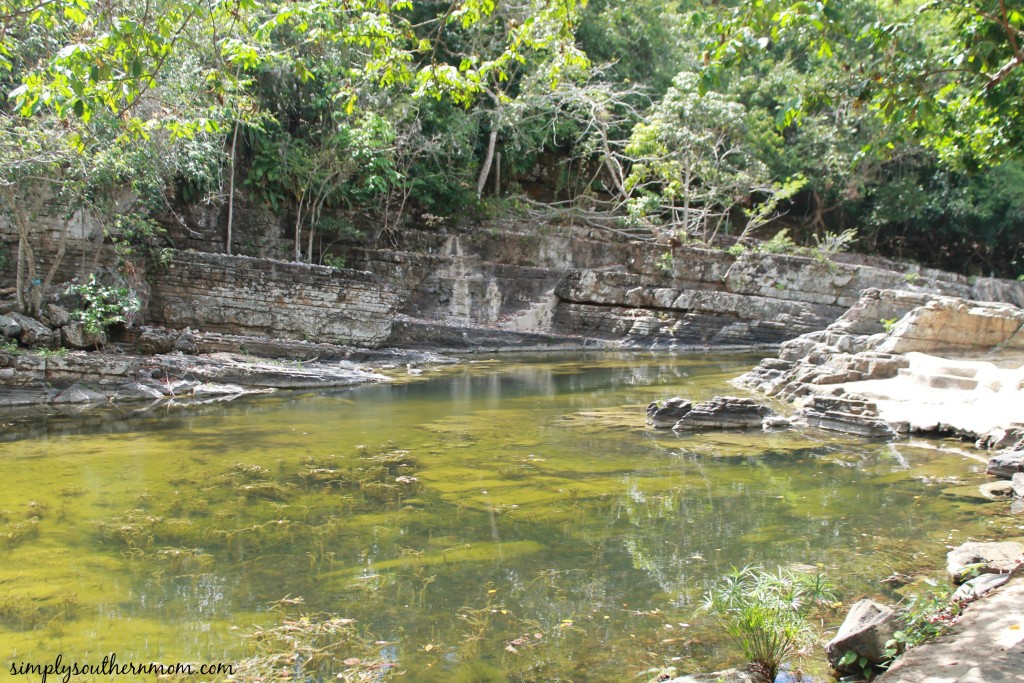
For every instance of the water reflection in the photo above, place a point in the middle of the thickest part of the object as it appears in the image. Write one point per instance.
(489, 507)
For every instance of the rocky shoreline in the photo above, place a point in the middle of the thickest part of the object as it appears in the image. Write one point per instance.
(898, 363)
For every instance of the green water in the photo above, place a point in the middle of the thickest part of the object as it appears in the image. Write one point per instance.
(492, 522)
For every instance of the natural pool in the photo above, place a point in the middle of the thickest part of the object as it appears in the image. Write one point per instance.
(496, 521)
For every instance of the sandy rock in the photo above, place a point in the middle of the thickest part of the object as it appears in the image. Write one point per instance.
(776, 423)
(948, 323)
(724, 412)
(970, 559)
(664, 415)
(866, 629)
(913, 391)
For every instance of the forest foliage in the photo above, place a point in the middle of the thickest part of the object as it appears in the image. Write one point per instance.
(675, 121)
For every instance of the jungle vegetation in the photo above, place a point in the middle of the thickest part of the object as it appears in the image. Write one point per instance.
(687, 120)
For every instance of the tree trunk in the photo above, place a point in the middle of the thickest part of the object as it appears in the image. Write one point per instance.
(57, 258)
(485, 171)
(497, 175)
(298, 227)
(231, 192)
(19, 278)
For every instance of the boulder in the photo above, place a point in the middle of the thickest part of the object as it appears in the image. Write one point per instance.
(58, 315)
(154, 341)
(1018, 485)
(724, 412)
(33, 332)
(978, 586)
(1006, 464)
(9, 327)
(186, 342)
(998, 439)
(774, 423)
(972, 559)
(664, 415)
(846, 415)
(74, 336)
(867, 628)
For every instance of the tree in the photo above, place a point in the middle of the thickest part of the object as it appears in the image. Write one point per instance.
(695, 160)
(948, 72)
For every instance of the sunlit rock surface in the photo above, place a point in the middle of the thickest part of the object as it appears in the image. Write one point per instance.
(875, 353)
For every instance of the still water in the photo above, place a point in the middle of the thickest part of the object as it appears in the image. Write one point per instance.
(497, 521)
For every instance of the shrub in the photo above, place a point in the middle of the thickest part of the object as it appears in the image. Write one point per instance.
(766, 613)
(102, 306)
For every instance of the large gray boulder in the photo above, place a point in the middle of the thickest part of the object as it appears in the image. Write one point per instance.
(971, 559)
(9, 327)
(75, 336)
(33, 332)
(665, 414)
(58, 315)
(1006, 464)
(724, 412)
(866, 630)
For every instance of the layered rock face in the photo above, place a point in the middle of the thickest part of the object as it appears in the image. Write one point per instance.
(580, 285)
(247, 296)
(527, 286)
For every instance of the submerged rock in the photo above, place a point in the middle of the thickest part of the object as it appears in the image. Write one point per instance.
(724, 412)
(726, 676)
(994, 490)
(664, 414)
(866, 630)
(972, 559)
